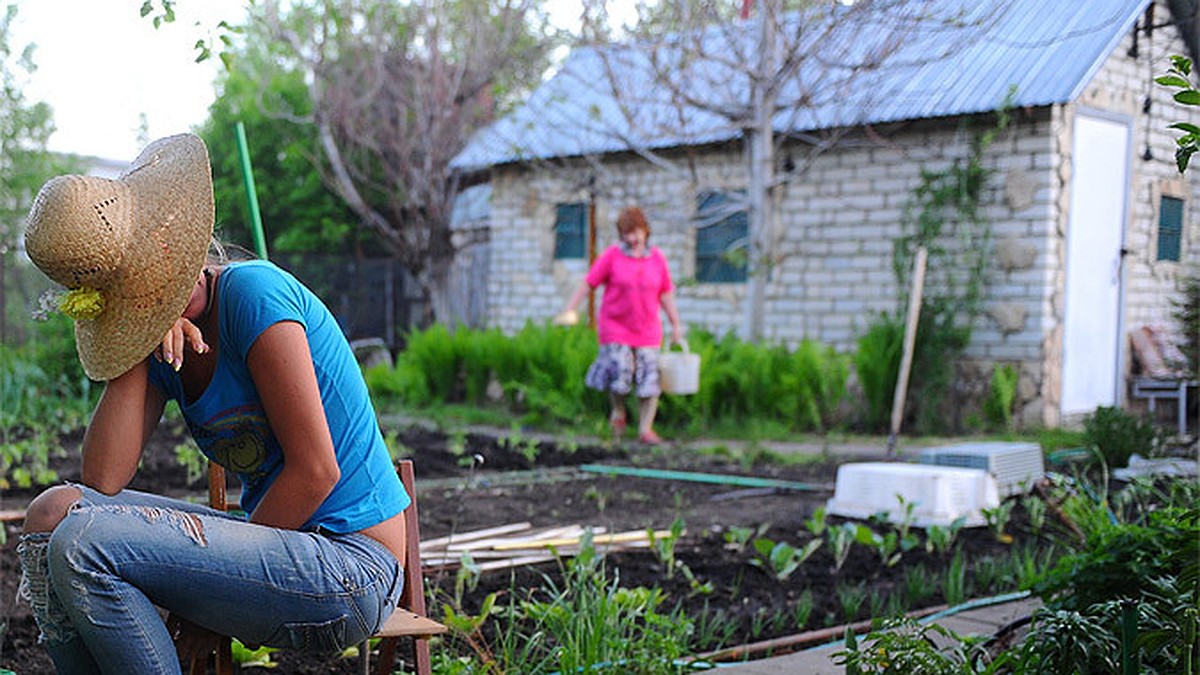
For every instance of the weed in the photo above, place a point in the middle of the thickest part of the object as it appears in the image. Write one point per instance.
(954, 585)
(851, 598)
(918, 585)
(802, 610)
(595, 494)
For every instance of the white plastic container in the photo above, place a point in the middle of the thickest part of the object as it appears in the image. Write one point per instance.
(1015, 466)
(679, 372)
(939, 494)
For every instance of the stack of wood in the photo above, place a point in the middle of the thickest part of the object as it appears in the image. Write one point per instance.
(520, 544)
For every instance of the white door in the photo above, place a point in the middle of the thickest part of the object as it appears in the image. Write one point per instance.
(1091, 337)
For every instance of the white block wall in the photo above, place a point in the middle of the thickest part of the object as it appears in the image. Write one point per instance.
(837, 222)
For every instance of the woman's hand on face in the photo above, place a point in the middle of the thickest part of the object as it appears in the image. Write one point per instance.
(182, 332)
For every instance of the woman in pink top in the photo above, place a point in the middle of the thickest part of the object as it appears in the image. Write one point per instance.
(636, 283)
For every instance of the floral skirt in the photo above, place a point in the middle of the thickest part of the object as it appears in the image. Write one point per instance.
(618, 368)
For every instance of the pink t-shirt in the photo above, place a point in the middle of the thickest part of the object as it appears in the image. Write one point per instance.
(632, 291)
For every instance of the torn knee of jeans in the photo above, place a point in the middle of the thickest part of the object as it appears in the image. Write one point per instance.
(34, 588)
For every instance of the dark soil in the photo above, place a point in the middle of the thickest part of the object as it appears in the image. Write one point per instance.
(454, 495)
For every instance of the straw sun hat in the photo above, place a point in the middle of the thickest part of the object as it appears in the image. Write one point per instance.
(129, 250)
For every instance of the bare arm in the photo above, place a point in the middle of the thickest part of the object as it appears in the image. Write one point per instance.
(568, 316)
(577, 297)
(281, 365)
(127, 413)
(668, 302)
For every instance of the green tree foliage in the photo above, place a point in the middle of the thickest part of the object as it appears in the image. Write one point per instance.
(25, 164)
(395, 90)
(25, 128)
(299, 212)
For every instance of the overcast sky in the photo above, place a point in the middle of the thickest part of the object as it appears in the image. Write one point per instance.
(101, 67)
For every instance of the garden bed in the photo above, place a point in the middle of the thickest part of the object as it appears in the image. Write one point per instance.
(742, 596)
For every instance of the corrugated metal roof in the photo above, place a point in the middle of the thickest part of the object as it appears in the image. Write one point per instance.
(1046, 51)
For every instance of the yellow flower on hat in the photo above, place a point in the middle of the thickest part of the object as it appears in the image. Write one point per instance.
(82, 303)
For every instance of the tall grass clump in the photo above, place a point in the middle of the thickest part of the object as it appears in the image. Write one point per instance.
(538, 375)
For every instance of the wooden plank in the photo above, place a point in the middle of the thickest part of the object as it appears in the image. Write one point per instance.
(597, 540)
(476, 534)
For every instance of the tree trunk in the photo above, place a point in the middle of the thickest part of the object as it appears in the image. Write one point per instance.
(760, 142)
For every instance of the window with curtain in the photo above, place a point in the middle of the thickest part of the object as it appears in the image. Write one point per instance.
(722, 229)
(570, 231)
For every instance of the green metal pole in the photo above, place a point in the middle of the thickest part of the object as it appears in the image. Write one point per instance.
(720, 479)
(256, 226)
(1129, 632)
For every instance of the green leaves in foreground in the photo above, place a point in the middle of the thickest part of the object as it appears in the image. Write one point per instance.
(1179, 77)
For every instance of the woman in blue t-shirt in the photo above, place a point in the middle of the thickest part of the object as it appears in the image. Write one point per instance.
(269, 389)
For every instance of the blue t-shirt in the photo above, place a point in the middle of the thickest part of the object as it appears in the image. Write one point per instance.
(228, 422)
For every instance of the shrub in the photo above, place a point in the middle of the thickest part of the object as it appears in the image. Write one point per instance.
(1118, 435)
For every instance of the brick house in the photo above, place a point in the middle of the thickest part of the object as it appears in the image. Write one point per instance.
(1092, 225)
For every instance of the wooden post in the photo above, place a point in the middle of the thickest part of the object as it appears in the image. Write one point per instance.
(591, 253)
(910, 337)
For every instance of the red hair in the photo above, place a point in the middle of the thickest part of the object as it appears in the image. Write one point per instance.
(632, 218)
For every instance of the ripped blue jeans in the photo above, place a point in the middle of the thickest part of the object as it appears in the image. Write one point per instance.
(97, 583)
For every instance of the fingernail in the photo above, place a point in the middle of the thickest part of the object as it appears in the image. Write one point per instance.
(177, 364)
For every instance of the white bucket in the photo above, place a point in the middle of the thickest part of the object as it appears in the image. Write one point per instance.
(679, 372)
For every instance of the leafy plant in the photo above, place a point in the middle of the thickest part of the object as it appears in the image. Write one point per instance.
(877, 362)
(664, 547)
(997, 520)
(901, 646)
(840, 539)
(1066, 641)
(781, 558)
(738, 538)
(1002, 391)
(885, 545)
(816, 523)
(1178, 77)
(1185, 310)
(939, 538)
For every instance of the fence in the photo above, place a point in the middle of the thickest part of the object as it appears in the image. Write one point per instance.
(371, 298)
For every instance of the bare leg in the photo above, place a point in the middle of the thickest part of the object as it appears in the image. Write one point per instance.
(647, 409)
(616, 419)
